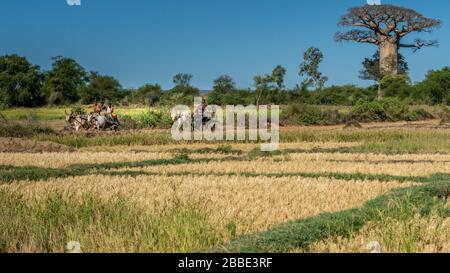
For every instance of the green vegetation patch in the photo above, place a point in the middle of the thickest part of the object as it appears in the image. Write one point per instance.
(115, 225)
(338, 176)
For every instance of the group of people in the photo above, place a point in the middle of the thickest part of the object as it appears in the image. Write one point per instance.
(106, 111)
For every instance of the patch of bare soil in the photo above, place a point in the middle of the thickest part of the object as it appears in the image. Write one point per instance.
(17, 145)
(425, 125)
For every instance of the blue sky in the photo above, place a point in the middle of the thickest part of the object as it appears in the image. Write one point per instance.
(148, 41)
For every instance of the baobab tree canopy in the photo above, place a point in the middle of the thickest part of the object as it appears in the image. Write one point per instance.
(385, 26)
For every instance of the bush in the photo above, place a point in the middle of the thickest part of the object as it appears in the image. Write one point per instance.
(366, 111)
(304, 114)
(342, 95)
(128, 123)
(155, 119)
(397, 86)
(389, 109)
(418, 114)
(444, 115)
(435, 87)
(394, 109)
(3, 105)
(78, 110)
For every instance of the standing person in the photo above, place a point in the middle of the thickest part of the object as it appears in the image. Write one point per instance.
(110, 109)
(203, 106)
(111, 114)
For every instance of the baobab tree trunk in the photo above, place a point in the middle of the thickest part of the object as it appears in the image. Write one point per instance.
(389, 58)
(388, 61)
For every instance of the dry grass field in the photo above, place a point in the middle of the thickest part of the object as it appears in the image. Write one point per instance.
(325, 190)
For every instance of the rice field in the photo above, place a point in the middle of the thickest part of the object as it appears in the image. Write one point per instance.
(306, 164)
(58, 113)
(328, 192)
(258, 203)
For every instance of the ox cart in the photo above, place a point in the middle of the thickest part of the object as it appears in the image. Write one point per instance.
(93, 121)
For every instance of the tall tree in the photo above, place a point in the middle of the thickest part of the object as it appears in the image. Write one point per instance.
(262, 85)
(101, 88)
(150, 93)
(182, 80)
(386, 26)
(63, 83)
(270, 85)
(223, 87)
(182, 93)
(224, 84)
(310, 68)
(20, 82)
(278, 74)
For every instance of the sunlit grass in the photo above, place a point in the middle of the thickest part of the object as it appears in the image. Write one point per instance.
(113, 225)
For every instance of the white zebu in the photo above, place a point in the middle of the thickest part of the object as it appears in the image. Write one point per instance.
(180, 117)
(100, 122)
(77, 122)
(92, 121)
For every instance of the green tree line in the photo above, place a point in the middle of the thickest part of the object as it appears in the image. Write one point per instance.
(23, 84)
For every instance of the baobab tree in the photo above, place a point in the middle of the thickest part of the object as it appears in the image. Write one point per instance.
(385, 26)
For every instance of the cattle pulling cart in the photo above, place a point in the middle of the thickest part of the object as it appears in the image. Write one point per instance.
(93, 121)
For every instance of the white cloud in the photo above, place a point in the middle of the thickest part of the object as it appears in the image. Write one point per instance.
(374, 2)
(73, 2)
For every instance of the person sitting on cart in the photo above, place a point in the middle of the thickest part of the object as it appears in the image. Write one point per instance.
(97, 108)
(111, 114)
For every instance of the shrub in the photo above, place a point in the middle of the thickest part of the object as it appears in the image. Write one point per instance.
(396, 86)
(155, 119)
(128, 123)
(418, 114)
(436, 86)
(389, 109)
(332, 117)
(367, 111)
(394, 109)
(304, 114)
(78, 110)
(342, 95)
(444, 115)
(3, 105)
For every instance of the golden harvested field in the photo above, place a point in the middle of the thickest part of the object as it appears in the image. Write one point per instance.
(200, 196)
(257, 203)
(246, 147)
(62, 160)
(308, 164)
